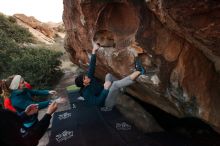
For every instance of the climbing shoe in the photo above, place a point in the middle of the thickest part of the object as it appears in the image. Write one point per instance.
(139, 67)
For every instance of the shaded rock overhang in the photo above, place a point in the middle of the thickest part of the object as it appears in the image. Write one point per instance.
(177, 40)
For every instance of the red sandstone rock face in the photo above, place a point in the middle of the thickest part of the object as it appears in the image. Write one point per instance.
(180, 41)
(34, 23)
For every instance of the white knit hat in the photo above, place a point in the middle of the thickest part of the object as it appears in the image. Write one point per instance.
(15, 82)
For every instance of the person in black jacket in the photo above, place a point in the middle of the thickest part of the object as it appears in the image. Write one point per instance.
(12, 133)
(105, 94)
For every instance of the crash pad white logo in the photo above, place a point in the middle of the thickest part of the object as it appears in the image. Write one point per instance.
(106, 109)
(74, 106)
(64, 116)
(123, 126)
(65, 135)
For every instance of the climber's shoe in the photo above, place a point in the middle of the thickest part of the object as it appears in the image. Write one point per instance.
(139, 67)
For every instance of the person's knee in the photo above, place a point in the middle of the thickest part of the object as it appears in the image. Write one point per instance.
(115, 85)
(108, 75)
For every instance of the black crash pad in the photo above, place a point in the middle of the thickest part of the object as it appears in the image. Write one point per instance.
(85, 125)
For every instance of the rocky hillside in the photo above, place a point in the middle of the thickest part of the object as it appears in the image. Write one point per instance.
(178, 40)
(43, 32)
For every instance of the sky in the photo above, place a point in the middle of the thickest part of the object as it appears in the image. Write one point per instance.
(43, 10)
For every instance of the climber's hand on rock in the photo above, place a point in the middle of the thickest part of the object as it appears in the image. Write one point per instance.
(95, 47)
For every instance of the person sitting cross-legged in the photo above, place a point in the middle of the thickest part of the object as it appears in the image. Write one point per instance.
(97, 94)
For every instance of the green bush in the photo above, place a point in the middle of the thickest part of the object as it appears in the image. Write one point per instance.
(12, 19)
(39, 66)
(14, 32)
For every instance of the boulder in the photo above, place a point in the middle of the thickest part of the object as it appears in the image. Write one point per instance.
(177, 40)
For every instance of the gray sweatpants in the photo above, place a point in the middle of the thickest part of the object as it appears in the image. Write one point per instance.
(114, 90)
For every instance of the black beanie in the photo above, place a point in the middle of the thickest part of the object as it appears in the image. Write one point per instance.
(79, 80)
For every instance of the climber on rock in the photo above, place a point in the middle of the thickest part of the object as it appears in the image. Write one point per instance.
(97, 94)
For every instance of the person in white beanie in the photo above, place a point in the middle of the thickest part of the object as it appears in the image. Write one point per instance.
(21, 98)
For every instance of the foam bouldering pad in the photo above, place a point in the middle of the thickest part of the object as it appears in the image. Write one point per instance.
(85, 125)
